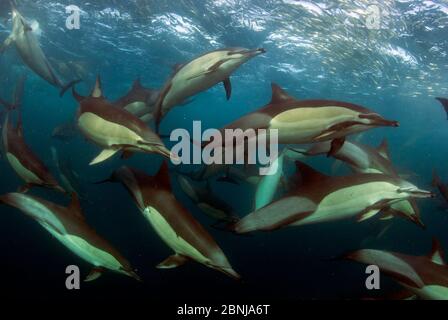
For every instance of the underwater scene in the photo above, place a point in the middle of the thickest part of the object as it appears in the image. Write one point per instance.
(203, 151)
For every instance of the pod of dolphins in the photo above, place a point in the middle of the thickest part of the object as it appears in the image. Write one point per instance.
(375, 189)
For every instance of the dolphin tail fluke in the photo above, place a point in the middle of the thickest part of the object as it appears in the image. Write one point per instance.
(173, 261)
(68, 86)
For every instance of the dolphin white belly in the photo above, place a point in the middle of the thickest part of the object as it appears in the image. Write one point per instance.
(24, 173)
(350, 201)
(299, 125)
(106, 133)
(171, 238)
(86, 251)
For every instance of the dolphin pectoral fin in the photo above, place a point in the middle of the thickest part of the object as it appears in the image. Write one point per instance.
(369, 213)
(228, 87)
(173, 261)
(387, 216)
(336, 145)
(94, 274)
(5, 45)
(186, 102)
(212, 69)
(146, 118)
(104, 155)
(323, 135)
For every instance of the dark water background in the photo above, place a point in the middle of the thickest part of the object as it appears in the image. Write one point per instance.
(313, 52)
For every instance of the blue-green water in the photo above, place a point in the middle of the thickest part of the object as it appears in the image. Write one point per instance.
(314, 50)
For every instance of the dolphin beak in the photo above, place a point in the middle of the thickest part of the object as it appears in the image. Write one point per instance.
(376, 119)
(418, 193)
(59, 189)
(387, 123)
(418, 222)
(255, 52)
(231, 273)
(166, 153)
(134, 275)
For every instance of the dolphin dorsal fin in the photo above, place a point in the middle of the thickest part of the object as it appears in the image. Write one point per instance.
(444, 103)
(437, 255)
(137, 84)
(76, 95)
(278, 94)
(308, 175)
(97, 91)
(75, 206)
(383, 149)
(177, 67)
(163, 177)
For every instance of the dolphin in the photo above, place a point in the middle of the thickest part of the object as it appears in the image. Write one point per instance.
(360, 157)
(437, 182)
(114, 129)
(23, 160)
(444, 103)
(16, 98)
(200, 74)
(171, 221)
(365, 159)
(425, 276)
(69, 178)
(139, 101)
(308, 121)
(206, 200)
(321, 198)
(69, 226)
(28, 47)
